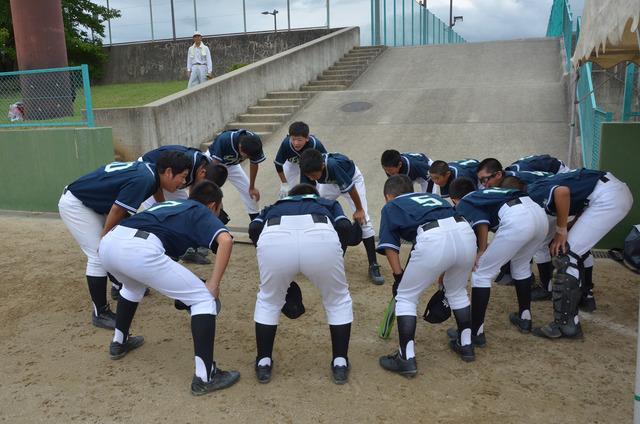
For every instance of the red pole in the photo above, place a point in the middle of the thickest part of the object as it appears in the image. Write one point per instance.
(39, 34)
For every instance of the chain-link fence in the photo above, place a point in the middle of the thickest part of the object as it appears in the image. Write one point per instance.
(46, 97)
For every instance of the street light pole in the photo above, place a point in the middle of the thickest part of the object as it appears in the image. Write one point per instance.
(275, 24)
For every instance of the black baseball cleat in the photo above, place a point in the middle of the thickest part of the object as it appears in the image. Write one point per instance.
(105, 318)
(115, 293)
(466, 352)
(504, 279)
(119, 350)
(340, 373)
(263, 372)
(540, 293)
(374, 274)
(394, 363)
(556, 330)
(523, 325)
(219, 380)
(587, 302)
(479, 341)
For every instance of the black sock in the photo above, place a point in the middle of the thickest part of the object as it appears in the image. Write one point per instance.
(479, 301)
(265, 336)
(370, 247)
(340, 335)
(523, 293)
(463, 319)
(125, 311)
(406, 332)
(545, 270)
(203, 331)
(114, 281)
(588, 279)
(506, 268)
(98, 291)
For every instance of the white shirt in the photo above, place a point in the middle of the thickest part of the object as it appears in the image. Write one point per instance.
(199, 55)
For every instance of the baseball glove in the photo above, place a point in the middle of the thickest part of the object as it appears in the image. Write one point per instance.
(293, 307)
(438, 309)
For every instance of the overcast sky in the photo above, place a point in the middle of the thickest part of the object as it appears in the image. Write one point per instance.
(483, 19)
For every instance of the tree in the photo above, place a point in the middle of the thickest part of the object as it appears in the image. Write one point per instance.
(83, 28)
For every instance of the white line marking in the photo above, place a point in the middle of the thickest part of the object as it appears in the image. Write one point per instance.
(608, 323)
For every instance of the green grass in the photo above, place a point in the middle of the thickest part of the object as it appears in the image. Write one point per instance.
(135, 94)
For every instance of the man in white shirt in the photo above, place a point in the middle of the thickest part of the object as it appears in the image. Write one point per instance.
(199, 64)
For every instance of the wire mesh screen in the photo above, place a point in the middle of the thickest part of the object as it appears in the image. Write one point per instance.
(46, 97)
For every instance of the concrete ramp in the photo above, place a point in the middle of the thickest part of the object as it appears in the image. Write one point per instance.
(500, 99)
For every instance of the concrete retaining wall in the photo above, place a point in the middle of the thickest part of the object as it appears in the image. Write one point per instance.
(167, 60)
(193, 116)
(37, 164)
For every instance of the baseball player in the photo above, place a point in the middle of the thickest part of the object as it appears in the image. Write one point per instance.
(336, 176)
(520, 225)
(542, 163)
(599, 201)
(414, 165)
(232, 147)
(201, 169)
(443, 173)
(299, 234)
(444, 243)
(139, 253)
(96, 202)
(491, 174)
(289, 154)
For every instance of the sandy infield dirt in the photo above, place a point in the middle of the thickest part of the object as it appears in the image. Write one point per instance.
(54, 364)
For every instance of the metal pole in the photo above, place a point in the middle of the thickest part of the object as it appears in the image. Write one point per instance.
(173, 21)
(394, 23)
(384, 22)
(195, 14)
(450, 13)
(373, 19)
(403, 21)
(377, 14)
(109, 25)
(413, 25)
(288, 16)
(275, 22)
(151, 19)
(328, 15)
(88, 104)
(244, 15)
(572, 117)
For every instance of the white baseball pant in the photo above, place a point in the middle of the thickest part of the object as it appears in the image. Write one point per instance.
(85, 225)
(332, 192)
(238, 178)
(448, 248)
(522, 230)
(609, 203)
(291, 173)
(299, 245)
(543, 254)
(139, 263)
(198, 75)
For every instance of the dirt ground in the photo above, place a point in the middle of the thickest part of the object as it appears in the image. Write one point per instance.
(54, 364)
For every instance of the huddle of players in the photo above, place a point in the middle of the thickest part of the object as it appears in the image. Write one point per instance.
(307, 232)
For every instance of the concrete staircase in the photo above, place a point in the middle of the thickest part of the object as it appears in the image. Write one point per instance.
(272, 111)
(342, 73)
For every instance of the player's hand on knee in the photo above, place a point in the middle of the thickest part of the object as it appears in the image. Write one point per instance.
(358, 216)
(214, 288)
(284, 190)
(255, 194)
(478, 256)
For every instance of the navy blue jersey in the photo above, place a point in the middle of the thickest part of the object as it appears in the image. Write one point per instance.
(544, 163)
(286, 152)
(401, 217)
(467, 168)
(179, 224)
(338, 170)
(415, 165)
(580, 182)
(127, 184)
(225, 148)
(197, 158)
(308, 204)
(482, 206)
(528, 177)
